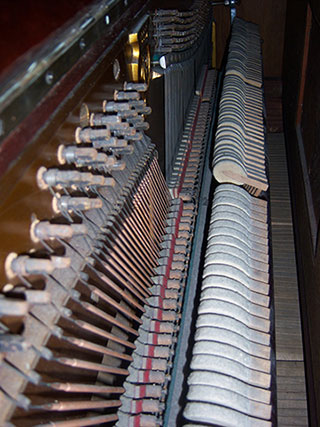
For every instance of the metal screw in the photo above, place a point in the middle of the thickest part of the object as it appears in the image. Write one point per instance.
(49, 77)
(82, 44)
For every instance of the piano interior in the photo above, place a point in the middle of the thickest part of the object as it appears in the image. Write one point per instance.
(159, 181)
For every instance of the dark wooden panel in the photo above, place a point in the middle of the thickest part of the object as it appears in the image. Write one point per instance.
(308, 259)
(222, 18)
(270, 16)
(309, 279)
(310, 124)
(293, 54)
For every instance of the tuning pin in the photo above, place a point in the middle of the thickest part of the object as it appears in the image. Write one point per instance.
(32, 296)
(78, 155)
(13, 307)
(126, 150)
(44, 230)
(115, 125)
(122, 109)
(101, 119)
(138, 87)
(128, 132)
(125, 96)
(24, 265)
(36, 297)
(88, 134)
(68, 178)
(70, 204)
(114, 107)
(126, 114)
(57, 178)
(112, 143)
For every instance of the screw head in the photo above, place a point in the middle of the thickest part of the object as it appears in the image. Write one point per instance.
(82, 44)
(49, 77)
